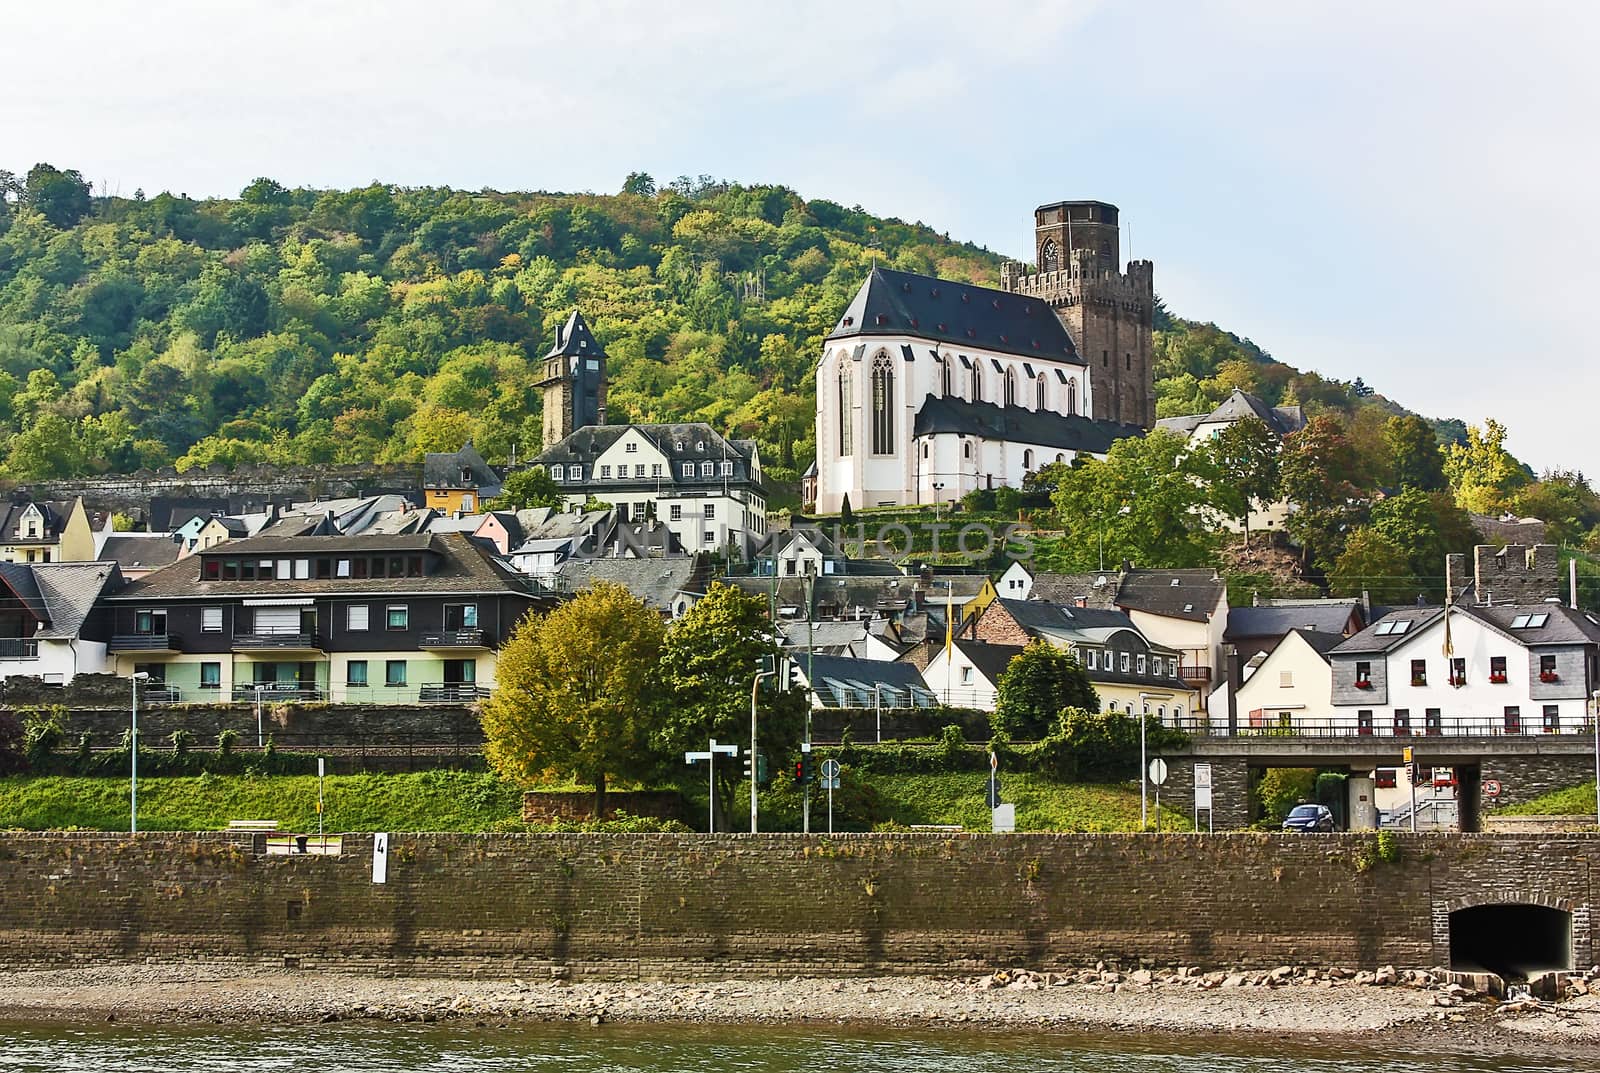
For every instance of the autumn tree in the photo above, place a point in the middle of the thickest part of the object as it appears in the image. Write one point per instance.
(1034, 688)
(1481, 471)
(578, 692)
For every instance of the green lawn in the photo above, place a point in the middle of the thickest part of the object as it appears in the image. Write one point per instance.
(1573, 801)
(1043, 804)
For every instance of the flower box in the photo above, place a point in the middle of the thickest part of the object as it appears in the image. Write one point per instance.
(1549, 676)
(1498, 679)
(1363, 684)
(1419, 682)
(1458, 680)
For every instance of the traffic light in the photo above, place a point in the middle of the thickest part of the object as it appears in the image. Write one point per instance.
(802, 769)
(761, 767)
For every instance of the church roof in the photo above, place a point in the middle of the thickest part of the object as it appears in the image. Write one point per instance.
(1017, 425)
(575, 338)
(955, 315)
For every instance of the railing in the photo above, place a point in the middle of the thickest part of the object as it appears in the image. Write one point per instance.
(451, 691)
(1194, 673)
(143, 642)
(1467, 727)
(159, 694)
(469, 638)
(274, 639)
(279, 692)
(19, 648)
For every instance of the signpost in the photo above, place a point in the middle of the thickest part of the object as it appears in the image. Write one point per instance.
(322, 842)
(1158, 775)
(830, 783)
(710, 757)
(1202, 796)
(1491, 787)
(1411, 780)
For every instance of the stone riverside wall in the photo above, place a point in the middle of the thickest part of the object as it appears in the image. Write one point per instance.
(632, 906)
(260, 483)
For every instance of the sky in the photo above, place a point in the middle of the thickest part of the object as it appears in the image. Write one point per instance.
(1395, 191)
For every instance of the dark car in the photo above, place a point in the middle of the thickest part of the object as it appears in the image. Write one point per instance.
(1309, 818)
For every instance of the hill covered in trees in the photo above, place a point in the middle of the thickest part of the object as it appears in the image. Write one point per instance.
(378, 323)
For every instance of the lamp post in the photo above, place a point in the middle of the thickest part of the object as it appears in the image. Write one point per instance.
(260, 737)
(755, 685)
(1596, 696)
(133, 752)
(938, 488)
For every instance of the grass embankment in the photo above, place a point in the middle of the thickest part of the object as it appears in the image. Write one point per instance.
(474, 801)
(1573, 801)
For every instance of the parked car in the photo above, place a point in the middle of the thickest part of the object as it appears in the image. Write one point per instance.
(1309, 818)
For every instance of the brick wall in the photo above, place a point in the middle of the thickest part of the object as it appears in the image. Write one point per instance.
(996, 626)
(694, 905)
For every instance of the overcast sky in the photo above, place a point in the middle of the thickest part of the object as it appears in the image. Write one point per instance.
(1397, 191)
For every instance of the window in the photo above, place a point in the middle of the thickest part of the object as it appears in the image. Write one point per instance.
(1390, 627)
(211, 570)
(230, 570)
(707, 469)
(1364, 721)
(1530, 622)
(399, 616)
(605, 472)
(1072, 397)
(1419, 672)
(211, 619)
(394, 672)
(302, 569)
(727, 468)
(324, 569)
(675, 512)
(1042, 394)
(966, 449)
(148, 623)
(1363, 676)
(355, 618)
(710, 537)
(1402, 722)
(1432, 722)
(688, 469)
(156, 671)
(844, 408)
(1172, 666)
(1105, 359)
(574, 473)
(1552, 718)
(655, 469)
(1124, 661)
(460, 616)
(1386, 778)
(341, 568)
(709, 511)
(1497, 669)
(1010, 386)
(355, 673)
(944, 377)
(1513, 719)
(977, 383)
(1094, 660)
(1458, 672)
(631, 448)
(1285, 679)
(210, 676)
(558, 473)
(882, 405)
(285, 569)
(467, 502)
(1027, 460)
(1547, 669)
(1141, 663)
(641, 511)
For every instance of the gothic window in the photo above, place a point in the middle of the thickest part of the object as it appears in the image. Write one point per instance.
(1049, 256)
(944, 377)
(844, 408)
(1072, 397)
(1011, 386)
(1041, 399)
(977, 383)
(882, 405)
(1027, 460)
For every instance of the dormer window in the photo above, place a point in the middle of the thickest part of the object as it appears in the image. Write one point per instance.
(466, 475)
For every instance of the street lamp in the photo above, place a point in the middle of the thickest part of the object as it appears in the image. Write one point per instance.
(938, 487)
(755, 685)
(260, 739)
(133, 783)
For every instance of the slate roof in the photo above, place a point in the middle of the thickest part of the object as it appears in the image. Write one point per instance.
(1099, 589)
(991, 660)
(1370, 641)
(848, 670)
(1236, 407)
(955, 315)
(60, 595)
(574, 339)
(19, 579)
(461, 567)
(139, 551)
(677, 442)
(442, 469)
(655, 581)
(1193, 597)
(1564, 626)
(988, 420)
(1322, 643)
(1325, 619)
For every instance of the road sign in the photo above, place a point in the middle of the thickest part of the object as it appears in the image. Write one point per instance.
(830, 769)
(1405, 754)
(1004, 819)
(1491, 787)
(1202, 797)
(1202, 776)
(994, 762)
(1158, 771)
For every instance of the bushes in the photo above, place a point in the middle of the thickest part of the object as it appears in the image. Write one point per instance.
(1087, 746)
(13, 755)
(43, 739)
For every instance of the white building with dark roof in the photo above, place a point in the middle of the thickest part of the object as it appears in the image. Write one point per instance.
(706, 488)
(928, 389)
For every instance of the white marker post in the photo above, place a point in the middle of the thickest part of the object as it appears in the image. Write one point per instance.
(322, 841)
(380, 857)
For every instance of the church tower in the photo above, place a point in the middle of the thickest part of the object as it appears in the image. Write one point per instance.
(1107, 310)
(573, 381)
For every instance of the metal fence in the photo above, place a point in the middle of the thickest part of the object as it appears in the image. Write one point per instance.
(1498, 726)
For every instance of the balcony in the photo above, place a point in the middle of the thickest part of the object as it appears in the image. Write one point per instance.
(453, 639)
(454, 692)
(276, 640)
(272, 692)
(19, 648)
(143, 642)
(1194, 675)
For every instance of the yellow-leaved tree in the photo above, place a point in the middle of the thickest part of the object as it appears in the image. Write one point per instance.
(578, 692)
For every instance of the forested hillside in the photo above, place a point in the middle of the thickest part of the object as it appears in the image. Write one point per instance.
(378, 323)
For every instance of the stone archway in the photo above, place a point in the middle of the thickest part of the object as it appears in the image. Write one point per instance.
(1516, 933)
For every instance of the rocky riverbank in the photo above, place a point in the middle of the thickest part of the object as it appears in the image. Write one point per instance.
(1285, 1002)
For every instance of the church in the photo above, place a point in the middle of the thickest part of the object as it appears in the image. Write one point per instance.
(928, 389)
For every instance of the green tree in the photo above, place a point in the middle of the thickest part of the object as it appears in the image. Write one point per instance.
(527, 488)
(62, 197)
(577, 692)
(1035, 687)
(47, 449)
(1415, 460)
(639, 184)
(1481, 471)
(1317, 474)
(1372, 563)
(1427, 526)
(1245, 457)
(1147, 500)
(1564, 501)
(708, 665)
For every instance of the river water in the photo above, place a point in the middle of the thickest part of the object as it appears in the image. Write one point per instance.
(579, 1048)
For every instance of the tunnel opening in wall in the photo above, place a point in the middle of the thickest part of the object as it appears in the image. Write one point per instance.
(1516, 941)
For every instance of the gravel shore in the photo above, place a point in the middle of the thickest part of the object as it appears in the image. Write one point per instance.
(1282, 1003)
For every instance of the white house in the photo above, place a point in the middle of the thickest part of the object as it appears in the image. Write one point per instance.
(1292, 686)
(705, 488)
(49, 628)
(1281, 421)
(928, 389)
(966, 674)
(1502, 669)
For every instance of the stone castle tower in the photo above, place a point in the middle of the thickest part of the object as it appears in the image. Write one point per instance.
(1108, 311)
(573, 381)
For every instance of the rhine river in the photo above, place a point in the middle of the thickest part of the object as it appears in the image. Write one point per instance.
(370, 1048)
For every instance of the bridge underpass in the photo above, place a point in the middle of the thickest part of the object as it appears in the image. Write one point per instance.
(1519, 767)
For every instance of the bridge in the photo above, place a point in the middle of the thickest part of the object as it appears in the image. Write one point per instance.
(1520, 765)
